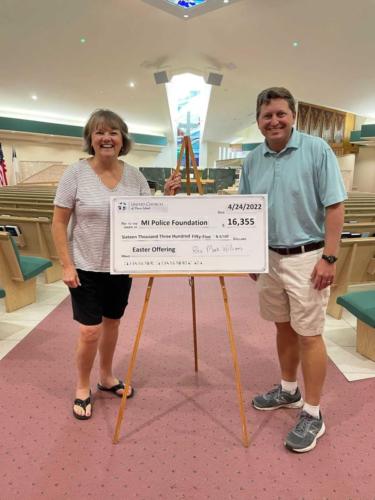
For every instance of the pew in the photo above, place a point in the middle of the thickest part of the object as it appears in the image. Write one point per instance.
(46, 205)
(36, 239)
(18, 274)
(355, 265)
(359, 227)
(27, 212)
(362, 217)
(362, 306)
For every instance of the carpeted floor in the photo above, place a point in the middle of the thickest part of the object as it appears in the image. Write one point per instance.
(181, 436)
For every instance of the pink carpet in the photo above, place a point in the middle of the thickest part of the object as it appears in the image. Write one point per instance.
(181, 436)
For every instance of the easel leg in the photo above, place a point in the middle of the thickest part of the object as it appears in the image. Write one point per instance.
(192, 284)
(245, 437)
(132, 362)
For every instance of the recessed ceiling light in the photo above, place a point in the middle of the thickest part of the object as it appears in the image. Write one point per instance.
(34, 97)
(82, 39)
(295, 43)
(225, 1)
(186, 16)
(131, 84)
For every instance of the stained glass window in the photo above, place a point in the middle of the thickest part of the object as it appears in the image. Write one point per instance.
(186, 4)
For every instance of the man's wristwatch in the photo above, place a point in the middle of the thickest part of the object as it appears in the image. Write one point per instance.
(331, 259)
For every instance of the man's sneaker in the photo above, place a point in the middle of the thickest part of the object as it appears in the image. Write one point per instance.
(305, 434)
(277, 398)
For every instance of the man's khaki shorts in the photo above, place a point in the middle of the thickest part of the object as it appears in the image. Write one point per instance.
(286, 293)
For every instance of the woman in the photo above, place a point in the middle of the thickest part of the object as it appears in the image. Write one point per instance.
(98, 298)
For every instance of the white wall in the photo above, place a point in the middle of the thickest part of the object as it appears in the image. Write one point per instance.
(213, 152)
(346, 164)
(364, 170)
(44, 150)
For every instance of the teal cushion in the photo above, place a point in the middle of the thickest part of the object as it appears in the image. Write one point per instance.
(32, 266)
(361, 304)
(2, 293)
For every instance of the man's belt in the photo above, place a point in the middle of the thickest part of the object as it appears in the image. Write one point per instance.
(315, 245)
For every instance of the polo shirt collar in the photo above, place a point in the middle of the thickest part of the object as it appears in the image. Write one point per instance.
(293, 143)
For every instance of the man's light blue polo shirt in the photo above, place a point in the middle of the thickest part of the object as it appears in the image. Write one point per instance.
(301, 180)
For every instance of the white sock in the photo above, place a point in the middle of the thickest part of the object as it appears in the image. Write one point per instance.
(312, 410)
(290, 387)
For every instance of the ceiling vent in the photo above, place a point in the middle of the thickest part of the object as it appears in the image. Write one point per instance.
(214, 79)
(161, 77)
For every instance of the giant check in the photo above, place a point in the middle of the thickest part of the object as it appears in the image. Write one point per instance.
(189, 234)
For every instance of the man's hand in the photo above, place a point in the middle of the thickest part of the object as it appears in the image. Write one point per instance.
(173, 184)
(323, 274)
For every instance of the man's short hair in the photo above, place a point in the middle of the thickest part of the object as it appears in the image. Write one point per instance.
(275, 93)
(107, 118)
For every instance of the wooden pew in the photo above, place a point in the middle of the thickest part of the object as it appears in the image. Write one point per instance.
(367, 217)
(27, 212)
(359, 227)
(26, 204)
(36, 239)
(18, 274)
(362, 306)
(359, 210)
(355, 265)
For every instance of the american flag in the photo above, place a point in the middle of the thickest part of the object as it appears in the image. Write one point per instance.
(3, 169)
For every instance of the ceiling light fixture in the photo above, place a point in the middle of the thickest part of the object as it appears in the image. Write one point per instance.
(295, 43)
(225, 1)
(34, 97)
(131, 84)
(82, 39)
(186, 16)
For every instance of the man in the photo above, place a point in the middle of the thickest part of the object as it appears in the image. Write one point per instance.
(305, 191)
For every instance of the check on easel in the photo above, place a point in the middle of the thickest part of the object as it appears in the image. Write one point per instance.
(194, 235)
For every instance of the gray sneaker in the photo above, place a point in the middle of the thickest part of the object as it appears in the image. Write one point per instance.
(277, 398)
(306, 433)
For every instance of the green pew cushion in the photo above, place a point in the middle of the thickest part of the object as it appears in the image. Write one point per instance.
(32, 266)
(361, 304)
(2, 293)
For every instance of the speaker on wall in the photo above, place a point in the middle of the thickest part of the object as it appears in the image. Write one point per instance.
(214, 78)
(161, 77)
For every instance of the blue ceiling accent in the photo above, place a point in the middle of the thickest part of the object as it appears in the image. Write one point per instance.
(185, 4)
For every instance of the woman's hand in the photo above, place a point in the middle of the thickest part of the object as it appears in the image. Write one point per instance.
(70, 277)
(173, 184)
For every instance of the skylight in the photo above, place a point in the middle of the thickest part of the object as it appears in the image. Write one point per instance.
(186, 4)
(188, 97)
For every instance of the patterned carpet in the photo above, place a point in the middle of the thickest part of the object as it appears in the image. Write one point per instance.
(181, 435)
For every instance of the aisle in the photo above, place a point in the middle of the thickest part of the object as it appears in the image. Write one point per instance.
(181, 437)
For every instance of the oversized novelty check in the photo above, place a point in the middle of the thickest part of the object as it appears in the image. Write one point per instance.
(189, 234)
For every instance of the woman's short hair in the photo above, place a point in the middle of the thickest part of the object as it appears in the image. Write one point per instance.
(276, 93)
(107, 118)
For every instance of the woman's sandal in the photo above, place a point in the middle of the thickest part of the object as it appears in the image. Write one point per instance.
(116, 388)
(83, 403)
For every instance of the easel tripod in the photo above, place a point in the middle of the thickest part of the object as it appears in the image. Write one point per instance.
(189, 157)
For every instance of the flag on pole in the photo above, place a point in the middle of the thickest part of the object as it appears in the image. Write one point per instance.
(15, 168)
(3, 169)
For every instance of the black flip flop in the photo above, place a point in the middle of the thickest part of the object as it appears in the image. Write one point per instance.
(116, 388)
(83, 403)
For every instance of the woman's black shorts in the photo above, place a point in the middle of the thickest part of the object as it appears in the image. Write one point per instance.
(100, 295)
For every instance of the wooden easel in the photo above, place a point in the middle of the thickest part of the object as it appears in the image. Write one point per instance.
(189, 157)
(187, 148)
